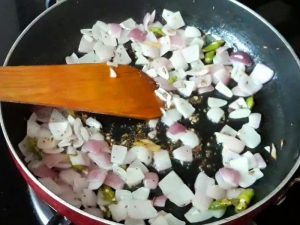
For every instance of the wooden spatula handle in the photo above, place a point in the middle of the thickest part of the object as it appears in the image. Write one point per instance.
(82, 87)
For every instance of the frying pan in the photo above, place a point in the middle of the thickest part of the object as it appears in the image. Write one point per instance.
(55, 34)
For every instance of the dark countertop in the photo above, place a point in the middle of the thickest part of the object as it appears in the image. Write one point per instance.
(15, 206)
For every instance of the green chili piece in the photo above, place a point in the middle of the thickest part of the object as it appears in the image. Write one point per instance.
(209, 56)
(244, 200)
(108, 194)
(250, 102)
(213, 46)
(172, 79)
(32, 147)
(157, 31)
(220, 204)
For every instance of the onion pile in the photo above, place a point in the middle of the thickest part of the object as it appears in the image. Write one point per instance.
(73, 159)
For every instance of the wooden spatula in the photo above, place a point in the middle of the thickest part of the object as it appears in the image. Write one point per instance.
(85, 87)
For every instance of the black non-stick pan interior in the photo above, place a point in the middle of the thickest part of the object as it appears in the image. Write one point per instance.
(56, 35)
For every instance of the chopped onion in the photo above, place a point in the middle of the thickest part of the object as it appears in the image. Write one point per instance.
(216, 102)
(141, 193)
(51, 185)
(118, 154)
(121, 56)
(130, 221)
(141, 209)
(239, 103)
(239, 113)
(114, 30)
(95, 146)
(262, 73)
(96, 178)
(192, 32)
(228, 131)
(203, 182)
(238, 92)
(248, 85)
(114, 181)
(102, 159)
(215, 114)
(191, 53)
(174, 20)
(128, 24)
(203, 90)
(249, 136)
(183, 107)
(151, 180)
(240, 164)
(251, 159)
(88, 198)
(160, 201)
(190, 139)
(119, 211)
(162, 160)
(138, 164)
(219, 74)
(195, 216)
(241, 57)
(170, 117)
(201, 201)
(183, 154)
(227, 156)
(254, 120)
(261, 163)
(229, 142)
(68, 176)
(216, 192)
(134, 176)
(233, 193)
(123, 195)
(44, 171)
(142, 154)
(187, 89)
(224, 90)
(178, 61)
(137, 35)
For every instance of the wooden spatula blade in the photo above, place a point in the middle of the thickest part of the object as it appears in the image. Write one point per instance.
(84, 87)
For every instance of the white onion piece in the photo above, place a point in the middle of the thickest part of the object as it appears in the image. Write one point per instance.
(201, 201)
(229, 142)
(216, 192)
(163, 72)
(32, 128)
(163, 94)
(182, 197)
(249, 178)
(150, 50)
(72, 59)
(183, 107)
(79, 158)
(90, 57)
(71, 198)
(240, 164)
(165, 43)
(222, 56)
(183, 154)
(224, 90)
(102, 159)
(151, 180)
(228, 131)
(233, 193)
(262, 73)
(254, 120)
(152, 123)
(141, 209)
(238, 70)
(124, 38)
(249, 136)
(88, 198)
(130, 221)
(114, 30)
(192, 32)
(152, 134)
(118, 154)
(178, 61)
(95, 146)
(241, 57)
(118, 211)
(134, 176)
(160, 201)
(251, 159)
(239, 113)
(121, 56)
(221, 182)
(203, 182)
(188, 88)
(203, 80)
(261, 163)
(219, 74)
(190, 139)
(98, 28)
(248, 85)
(227, 156)
(68, 176)
(51, 185)
(238, 92)
(142, 154)
(120, 172)
(96, 178)
(108, 39)
(161, 62)
(174, 20)
(230, 176)
(137, 35)
(160, 220)
(138, 164)
(216, 102)
(198, 66)
(195, 216)
(58, 125)
(123, 195)
(170, 183)
(162, 160)
(239, 103)
(148, 19)
(141, 60)
(92, 122)
(104, 52)
(150, 36)
(203, 90)
(86, 44)
(128, 24)
(215, 114)
(191, 53)
(114, 181)
(170, 117)
(43, 171)
(141, 193)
